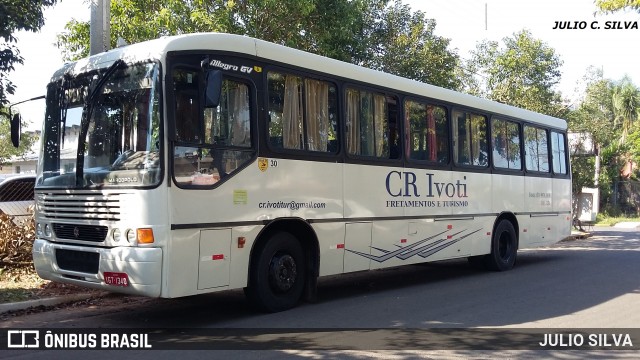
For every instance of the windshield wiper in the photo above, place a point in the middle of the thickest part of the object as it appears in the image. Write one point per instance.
(86, 115)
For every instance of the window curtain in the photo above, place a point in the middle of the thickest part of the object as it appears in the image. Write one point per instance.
(476, 135)
(408, 136)
(292, 113)
(379, 123)
(239, 106)
(353, 121)
(317, 114)
(431, 134)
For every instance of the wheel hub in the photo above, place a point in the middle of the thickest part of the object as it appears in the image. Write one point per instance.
(282, 272)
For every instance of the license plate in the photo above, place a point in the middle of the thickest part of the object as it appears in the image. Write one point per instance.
(116, 279)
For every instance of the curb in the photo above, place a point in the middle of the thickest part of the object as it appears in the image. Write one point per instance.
(22, 305)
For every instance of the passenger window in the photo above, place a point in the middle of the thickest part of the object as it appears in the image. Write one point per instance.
(428, 132)
(371, 121)
(536, 149)
(302, 113)
(470, 139)
(505, 142)
(559, 153)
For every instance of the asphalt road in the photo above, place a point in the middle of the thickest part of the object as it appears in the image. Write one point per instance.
(581, 284)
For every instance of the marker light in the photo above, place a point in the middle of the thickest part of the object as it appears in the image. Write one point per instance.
(145, 236)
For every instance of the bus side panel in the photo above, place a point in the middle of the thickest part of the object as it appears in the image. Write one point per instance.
(357, 241)
(240, 254)
(331, 242)
(390, 246)
(538, 195)
(562, 205)
(367, 191)
(182, 263)
(215, 258)
(507, 194)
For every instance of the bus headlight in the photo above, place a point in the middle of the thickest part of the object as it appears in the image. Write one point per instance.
(116, 235)
(47, 230)
(39, 229)
(131, 236)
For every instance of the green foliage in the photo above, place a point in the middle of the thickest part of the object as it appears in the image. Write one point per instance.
(16, 15)
(403, 43)
(633, 141)
(305, 24)
(595, 114)
(626, 106)
(373, 33)
(522, 72)
(609, 6)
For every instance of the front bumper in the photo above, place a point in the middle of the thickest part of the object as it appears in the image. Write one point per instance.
(142, 265)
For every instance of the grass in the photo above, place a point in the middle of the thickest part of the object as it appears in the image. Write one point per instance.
(20, 284)
(610, 221)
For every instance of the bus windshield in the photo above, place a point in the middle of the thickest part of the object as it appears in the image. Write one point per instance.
(115, 143)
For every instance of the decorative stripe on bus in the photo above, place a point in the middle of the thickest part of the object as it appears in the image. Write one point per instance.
(359, 219)
(429, 248)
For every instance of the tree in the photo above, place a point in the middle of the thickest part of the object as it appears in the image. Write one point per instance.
(305, 24)
(16, 15)
(373, 33)
(7, 150)
(403, 43)
(592, 119)
(609, 6)
(521, 73)
(626, 106)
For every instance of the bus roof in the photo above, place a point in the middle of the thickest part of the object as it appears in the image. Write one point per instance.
(154, 50)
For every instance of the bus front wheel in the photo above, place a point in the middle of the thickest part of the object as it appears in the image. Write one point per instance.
(504, 247)
(276, 281)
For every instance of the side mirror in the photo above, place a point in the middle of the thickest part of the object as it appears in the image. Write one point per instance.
(16, 129)
(212, 88)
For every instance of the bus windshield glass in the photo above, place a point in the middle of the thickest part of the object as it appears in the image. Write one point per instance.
(109, 139)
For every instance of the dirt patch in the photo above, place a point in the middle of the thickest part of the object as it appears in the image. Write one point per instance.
(23, 284)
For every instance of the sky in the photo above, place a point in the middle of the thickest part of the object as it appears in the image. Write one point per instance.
(615, 51)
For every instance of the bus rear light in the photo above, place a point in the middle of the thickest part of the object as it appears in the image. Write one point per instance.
(145, 236)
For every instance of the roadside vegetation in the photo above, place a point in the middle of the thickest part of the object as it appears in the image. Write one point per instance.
(18, 280)
(606, 220)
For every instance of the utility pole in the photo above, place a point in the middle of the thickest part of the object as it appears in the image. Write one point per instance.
(99, 30)
(486, 17)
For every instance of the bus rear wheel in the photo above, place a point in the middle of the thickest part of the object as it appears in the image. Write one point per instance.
(504, 247)
(277, 275)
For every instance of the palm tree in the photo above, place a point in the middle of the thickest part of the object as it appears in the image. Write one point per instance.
(626, 106)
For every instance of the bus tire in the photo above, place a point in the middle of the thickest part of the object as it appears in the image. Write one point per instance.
(277, 275)
(504, 247)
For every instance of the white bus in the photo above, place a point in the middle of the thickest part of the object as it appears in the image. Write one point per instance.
(205, 162)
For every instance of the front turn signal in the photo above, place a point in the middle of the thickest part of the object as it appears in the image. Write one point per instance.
(145, 236)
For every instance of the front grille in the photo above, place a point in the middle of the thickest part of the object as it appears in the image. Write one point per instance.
(94, 233)
(81, 261)
(79, 206)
